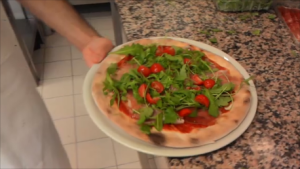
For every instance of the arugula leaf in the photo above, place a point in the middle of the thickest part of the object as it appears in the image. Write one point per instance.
(224, 88)
(178, 50)
(159, 122)
(145, 113)
(194, 114)
(149, 62)
(256, 32)
(213, 40)
(134, 49)
(142, 119)
(145, 129)
(248, 79)
(182, 74)
(223, 101)
(154, 93)
(170, 116)
(112, 100)
(175, 100)
(112, 68)
(213, 109)
(178, 59)
(162, 61)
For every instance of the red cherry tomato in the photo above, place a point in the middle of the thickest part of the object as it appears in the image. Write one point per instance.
(209, 83)
(142, 90)
(144, 70)
(202, 99)
(187, 61)
(156, 68)
(194, 88)
(165, 49)
(157, 86)
(197, 80)
(159, 51)
(184, 112)
(124, 60)
(169, 50)
(152, 100)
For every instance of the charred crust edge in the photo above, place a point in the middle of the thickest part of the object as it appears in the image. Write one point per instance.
(246, 100)
(194, 140)
(157, 138)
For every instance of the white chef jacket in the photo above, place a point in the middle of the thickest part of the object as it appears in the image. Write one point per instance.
(27, 133)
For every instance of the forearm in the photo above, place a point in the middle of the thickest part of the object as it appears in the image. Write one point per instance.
(60, 15)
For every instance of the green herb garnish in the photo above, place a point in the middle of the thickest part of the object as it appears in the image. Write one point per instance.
(178, 87)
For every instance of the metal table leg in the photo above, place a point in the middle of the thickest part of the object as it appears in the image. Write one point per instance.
(116, 23)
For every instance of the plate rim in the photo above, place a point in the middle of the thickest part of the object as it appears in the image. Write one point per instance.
(141, 146)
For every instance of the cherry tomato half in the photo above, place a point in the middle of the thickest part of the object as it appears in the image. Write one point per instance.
(197, 80)
(144, 70)
(169, 50)
(124, 60)
(209, 83)
(187, 61)
(202, 99)
(157, 86)
(159, 51)
(184, 112)
(142, 90)
(156, 68)
(165, 49)
(152, 100)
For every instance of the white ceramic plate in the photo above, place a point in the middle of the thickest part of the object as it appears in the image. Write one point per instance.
(122, 137)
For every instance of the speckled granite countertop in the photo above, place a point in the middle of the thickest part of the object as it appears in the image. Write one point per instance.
(273, 139)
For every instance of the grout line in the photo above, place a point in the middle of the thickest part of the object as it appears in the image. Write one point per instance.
(57, 97)
(58, 60)
(87, 140)
(64, 77)
(75, 129)
(129, 163)
(82, 115)
(56, 77)
(64, 118)
(115, 153)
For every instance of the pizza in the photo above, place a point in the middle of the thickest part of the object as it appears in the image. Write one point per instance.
(171, 93)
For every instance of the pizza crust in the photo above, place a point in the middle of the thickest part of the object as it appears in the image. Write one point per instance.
(225, 123)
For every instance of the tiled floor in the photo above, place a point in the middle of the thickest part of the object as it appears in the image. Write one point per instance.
(63, 70)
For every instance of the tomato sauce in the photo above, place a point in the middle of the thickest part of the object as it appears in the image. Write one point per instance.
(129, 110)
(223, 110)
(123, 108)
(124, 60)
(203, 120)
